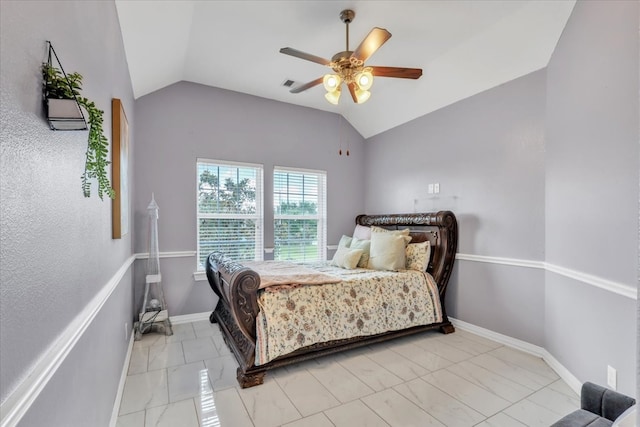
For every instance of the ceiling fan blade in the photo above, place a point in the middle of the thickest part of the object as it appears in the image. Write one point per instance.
(352, 91)
(306, 85)
(304, 55)
(403, 73)
(376, 38)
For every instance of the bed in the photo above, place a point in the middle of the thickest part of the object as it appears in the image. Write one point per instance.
(251, 315)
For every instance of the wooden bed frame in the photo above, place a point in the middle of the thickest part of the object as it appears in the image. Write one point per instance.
(236, 287)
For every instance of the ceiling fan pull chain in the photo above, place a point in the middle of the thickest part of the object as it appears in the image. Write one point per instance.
(340, 134)
(348, 145)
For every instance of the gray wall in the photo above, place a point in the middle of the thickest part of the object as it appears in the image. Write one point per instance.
(573, 206)
(186, 121)
(592, 189)
(487, 154)
(55, 245)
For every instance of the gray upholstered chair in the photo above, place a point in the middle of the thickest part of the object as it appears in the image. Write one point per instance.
(599, 407)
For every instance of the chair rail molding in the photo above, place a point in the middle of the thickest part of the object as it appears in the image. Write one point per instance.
(18, 403)
(589, 279)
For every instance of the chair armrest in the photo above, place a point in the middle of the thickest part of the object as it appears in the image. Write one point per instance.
(628, 418)
(604, 402)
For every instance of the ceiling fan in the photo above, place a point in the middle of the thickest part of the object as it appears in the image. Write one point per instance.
(349, 66)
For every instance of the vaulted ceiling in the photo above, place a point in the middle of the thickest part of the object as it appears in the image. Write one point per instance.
(463, 47)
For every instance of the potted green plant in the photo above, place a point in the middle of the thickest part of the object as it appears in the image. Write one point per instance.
(63, 99)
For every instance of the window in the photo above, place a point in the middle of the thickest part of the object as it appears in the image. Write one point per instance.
(299, 204)
(229, 210)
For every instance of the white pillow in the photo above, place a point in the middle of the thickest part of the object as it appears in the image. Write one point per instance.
(388, 251)
(346, 258)
(345, 242)
(417, 255)
(365, 245)
(362, 232)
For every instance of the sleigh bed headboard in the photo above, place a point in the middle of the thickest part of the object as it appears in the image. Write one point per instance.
(439, 228)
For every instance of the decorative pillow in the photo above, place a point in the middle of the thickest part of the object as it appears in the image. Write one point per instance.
(365, 245)
(345, 242)
(362, 232)
(388, 251)
(346, 258)
(417, 255)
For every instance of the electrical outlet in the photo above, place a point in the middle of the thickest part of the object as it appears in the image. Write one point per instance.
(436, 188)
(126, 331)
(430, 189)
(611, 377)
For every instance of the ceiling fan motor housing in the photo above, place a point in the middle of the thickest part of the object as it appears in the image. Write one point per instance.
(347, 16)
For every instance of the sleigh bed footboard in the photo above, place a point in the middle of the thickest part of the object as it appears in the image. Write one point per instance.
(236, 287)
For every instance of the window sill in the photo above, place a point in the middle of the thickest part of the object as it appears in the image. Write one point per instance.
(200, 276)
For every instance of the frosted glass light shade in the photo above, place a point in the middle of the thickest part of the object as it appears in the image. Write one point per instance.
(365, 80)
(362, 96)
(333, 97)
(331, 82)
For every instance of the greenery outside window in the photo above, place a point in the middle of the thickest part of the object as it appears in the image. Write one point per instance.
(300, 215)
(229, 210)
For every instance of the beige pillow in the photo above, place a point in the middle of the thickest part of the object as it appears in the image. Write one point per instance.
(365, 245)
(404, 232)
(388, 251)
(346, 258)
(417, 255)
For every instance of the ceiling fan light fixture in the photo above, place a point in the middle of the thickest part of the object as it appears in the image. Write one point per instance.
(333, 96)
(331, 82)
(362, 95)
(364, 80)
(349, 66)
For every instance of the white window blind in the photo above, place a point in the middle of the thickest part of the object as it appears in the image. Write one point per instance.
(229, 210)
(300, 214)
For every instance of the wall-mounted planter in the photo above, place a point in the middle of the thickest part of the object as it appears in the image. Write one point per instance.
(62, 102)
(65, 114)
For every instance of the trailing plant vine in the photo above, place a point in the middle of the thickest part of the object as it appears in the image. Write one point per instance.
(56, 85)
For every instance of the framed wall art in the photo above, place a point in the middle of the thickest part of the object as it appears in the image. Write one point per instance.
(119, 170)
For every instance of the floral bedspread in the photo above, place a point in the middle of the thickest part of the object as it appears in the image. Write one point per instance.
(365, 302)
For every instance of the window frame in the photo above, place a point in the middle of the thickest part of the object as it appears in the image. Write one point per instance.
(258, 217)
(321, 216)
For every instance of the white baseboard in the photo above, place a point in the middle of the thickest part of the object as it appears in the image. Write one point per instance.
(188, 318)
(563, 372)
(123, 379)
(532, 349)
(175, 320)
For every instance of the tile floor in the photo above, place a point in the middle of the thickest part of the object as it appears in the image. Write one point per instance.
(430, 379)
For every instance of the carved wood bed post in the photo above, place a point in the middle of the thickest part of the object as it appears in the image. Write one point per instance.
(449, 234)
(443, 268)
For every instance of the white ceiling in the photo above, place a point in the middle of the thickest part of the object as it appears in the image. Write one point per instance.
(463, 47)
